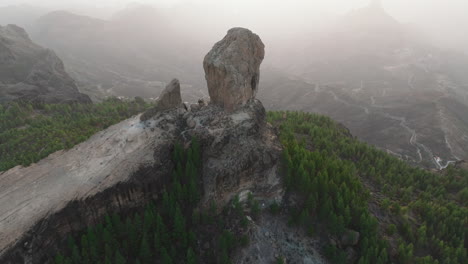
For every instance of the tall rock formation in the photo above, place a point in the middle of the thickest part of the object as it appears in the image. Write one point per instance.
(232, 68)
(31, 73)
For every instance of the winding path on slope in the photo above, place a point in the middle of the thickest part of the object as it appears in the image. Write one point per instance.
(419, 147)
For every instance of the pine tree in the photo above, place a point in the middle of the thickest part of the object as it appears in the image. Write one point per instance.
(179, 233)
(191, 258)
(165, 257)
(119, 259)
(145, 251)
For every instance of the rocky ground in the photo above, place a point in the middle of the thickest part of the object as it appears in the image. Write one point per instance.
(272, 239)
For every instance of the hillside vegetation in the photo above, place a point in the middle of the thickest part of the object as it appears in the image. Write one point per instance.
(403, 214)
(30, 133)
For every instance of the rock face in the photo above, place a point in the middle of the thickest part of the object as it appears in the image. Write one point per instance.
(241, 154)
(170, 98)
(31, 73)
(232, 68)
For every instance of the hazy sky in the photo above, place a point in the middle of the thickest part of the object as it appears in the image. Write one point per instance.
(407, 10)
(438, 17)
(429, 12)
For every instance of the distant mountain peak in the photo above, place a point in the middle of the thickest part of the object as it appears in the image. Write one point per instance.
(370, 17)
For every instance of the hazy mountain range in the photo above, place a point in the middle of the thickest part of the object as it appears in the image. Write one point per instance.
(385, 83)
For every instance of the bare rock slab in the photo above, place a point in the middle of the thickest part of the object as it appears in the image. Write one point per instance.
(232, 68)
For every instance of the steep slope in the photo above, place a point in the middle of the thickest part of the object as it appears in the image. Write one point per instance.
(31, 73)
(374, 207)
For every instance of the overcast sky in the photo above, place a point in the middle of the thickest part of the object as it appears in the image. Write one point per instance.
(438, 17)
(409, 10)
(414, 11)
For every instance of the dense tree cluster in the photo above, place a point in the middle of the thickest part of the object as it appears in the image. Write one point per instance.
(30, 133)
(166, 232)
(337, 177)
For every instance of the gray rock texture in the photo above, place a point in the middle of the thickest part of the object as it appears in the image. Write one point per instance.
(241, 154)
(232, 68)
(170, 98)
(272, 240)
(31, 73)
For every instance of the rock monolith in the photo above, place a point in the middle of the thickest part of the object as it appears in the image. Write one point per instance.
(232, 68)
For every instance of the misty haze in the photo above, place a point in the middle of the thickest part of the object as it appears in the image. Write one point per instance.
(183, 131)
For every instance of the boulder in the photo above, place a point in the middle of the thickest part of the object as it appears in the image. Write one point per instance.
(170, 98)
(232, 68)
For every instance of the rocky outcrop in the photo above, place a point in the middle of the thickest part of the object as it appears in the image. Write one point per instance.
(232, 68)
(31, 73)
(123, 167)
(273, 240)
(170, 98)
(241, 154)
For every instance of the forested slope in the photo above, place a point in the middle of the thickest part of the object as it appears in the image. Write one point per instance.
(341, 187)
(403, 214)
